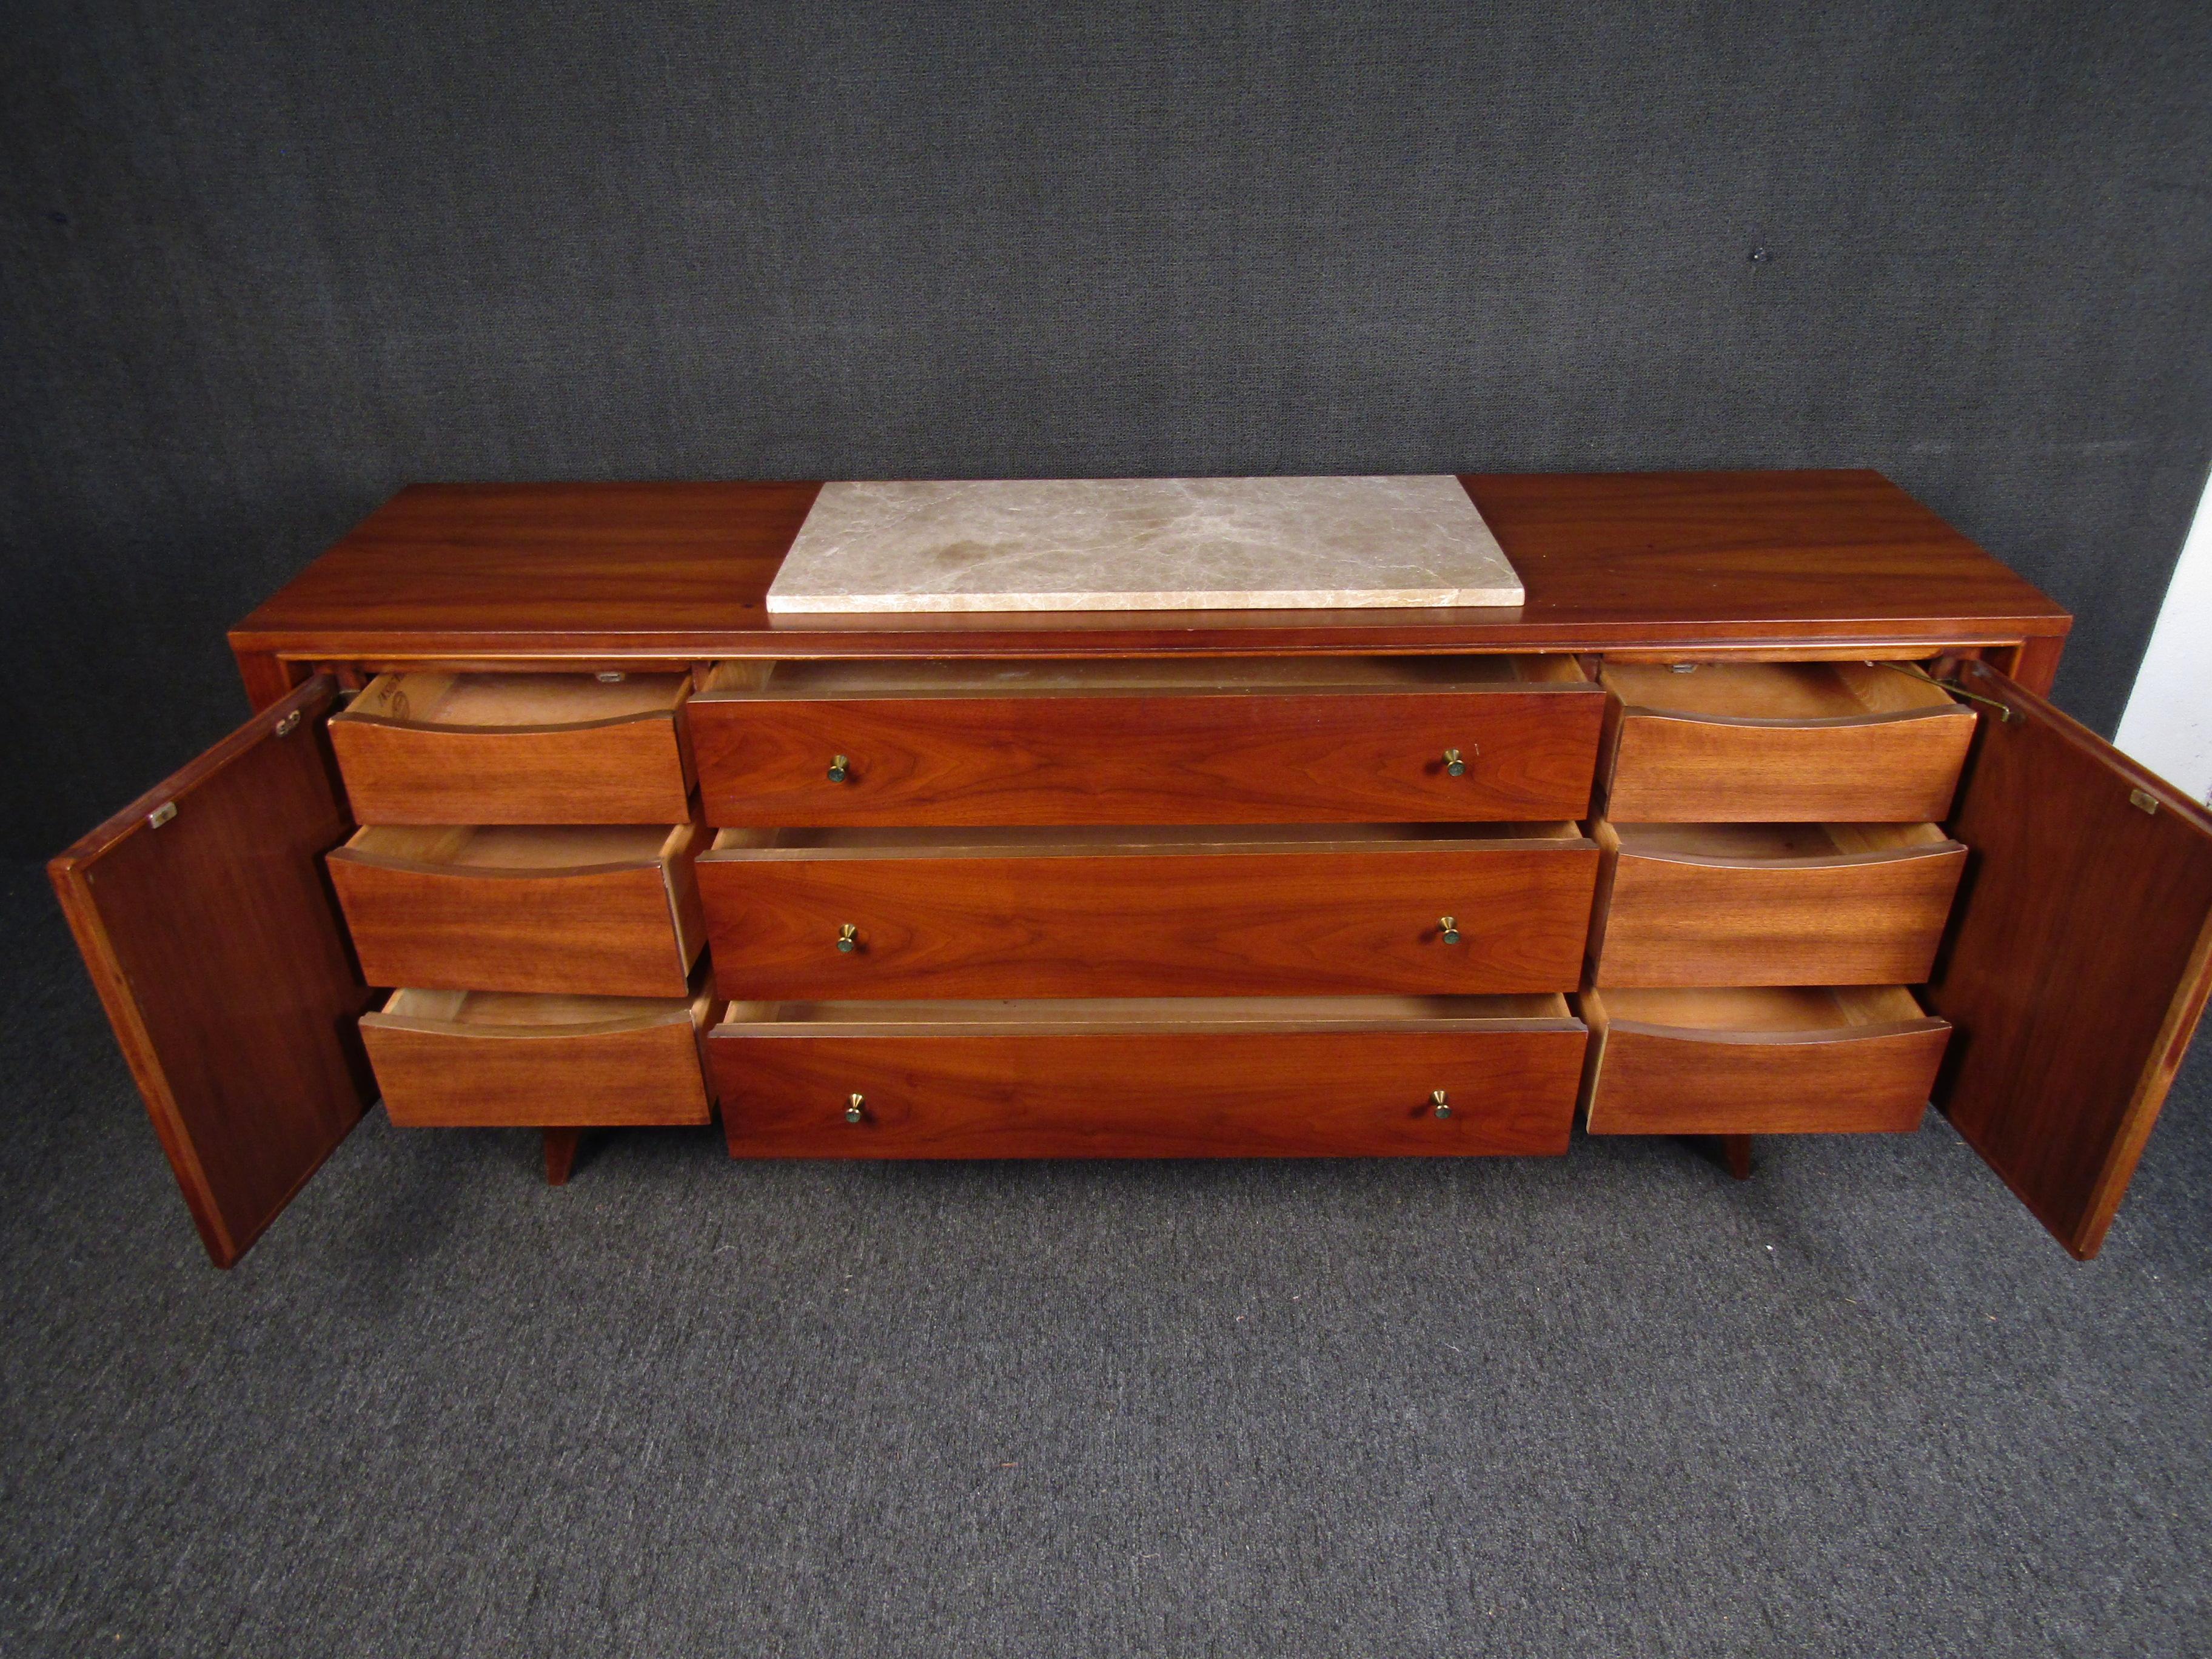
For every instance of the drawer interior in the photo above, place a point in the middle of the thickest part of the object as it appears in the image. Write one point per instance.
(1790, 691)
(1768, 843)
(513, 1014)
(512, 702)
(1106, 1014)
(534, 849)
(1014, 841)
(1243, 675)
(1760, 1009)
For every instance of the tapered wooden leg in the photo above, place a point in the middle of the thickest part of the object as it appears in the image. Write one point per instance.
(1737, 1150)
(561, 1154)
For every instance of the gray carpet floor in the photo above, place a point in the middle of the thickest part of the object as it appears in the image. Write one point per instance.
(1613, 1403)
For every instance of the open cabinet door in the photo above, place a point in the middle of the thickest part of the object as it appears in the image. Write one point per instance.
(203, 913)
(2078, 960)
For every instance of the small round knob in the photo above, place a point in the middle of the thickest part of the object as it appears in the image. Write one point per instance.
(847, 938)
(1436, 1099)
(1450, 925)
(838, 770)
(1453, 766)
(853, 1112)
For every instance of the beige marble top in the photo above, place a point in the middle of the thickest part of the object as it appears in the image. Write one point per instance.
(1143, 544)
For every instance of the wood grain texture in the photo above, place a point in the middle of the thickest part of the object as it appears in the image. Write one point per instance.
(633, 769)
(449, 1060)
(1346, 917)
(217, 951)
(1342, 757)
(2079, 962)
(590, 929)
(1647, 1078)
(1141, 1093)
(1747, 561)
(1689, 917)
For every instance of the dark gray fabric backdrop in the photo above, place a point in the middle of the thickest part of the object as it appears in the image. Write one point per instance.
(265, 262)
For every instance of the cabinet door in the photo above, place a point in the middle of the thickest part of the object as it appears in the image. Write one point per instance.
(2078, 960)
(203, 914)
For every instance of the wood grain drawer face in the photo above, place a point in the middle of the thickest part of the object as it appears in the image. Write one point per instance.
(455, 1059)
(1012, 913)
(471, 748)
(1782, 743)
(1772, 904)
(1765, 1061)
(1206, 1079)
(1316, 740)
(603, 910)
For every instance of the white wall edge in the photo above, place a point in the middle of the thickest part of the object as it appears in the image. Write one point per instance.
(2168, 723)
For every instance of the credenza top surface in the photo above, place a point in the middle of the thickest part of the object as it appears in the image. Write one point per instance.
(1800, 559)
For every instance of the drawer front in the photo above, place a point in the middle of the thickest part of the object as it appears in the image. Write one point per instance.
(1674, 768)
(1326, 759)
(1847, 921)
(1219, 924)
(633, 768)
(1651, 1079)
(628, 932)
(1139, 1094)
(441, 1074)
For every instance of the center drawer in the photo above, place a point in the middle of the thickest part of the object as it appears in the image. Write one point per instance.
(1425, 910)
(1189, 1078)
(1229, 740)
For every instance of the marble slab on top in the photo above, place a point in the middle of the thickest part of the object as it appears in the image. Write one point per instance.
(1142, 545)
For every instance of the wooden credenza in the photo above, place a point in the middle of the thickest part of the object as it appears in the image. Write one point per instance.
(1751, 820)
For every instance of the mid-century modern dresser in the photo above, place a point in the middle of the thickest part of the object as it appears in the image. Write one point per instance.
(1752, 820)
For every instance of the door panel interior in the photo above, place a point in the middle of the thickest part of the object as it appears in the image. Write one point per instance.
(2078, 961)
(205, 918)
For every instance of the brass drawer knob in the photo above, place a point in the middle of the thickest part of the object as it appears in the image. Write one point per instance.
(849, 937)
(838, 770)
(1449, 929)
(1436, 1099)
(1453, 766)
(853, 1112)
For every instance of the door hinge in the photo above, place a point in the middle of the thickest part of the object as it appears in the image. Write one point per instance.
(160, 815)
(283, 728)
(2004, 710)
(2143, 800)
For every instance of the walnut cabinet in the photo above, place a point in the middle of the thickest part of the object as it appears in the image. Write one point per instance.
(1753, 819)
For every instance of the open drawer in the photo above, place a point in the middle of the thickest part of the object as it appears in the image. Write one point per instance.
(1771, 1060)
(1178, 911)
(607, 910)
(1687, 904)
(1165, 1078)
(1794, 742)
(523, 748)
(1217, 740)
(454, 1059)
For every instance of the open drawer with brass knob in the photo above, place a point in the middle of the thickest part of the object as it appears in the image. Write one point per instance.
(448, 1058)
(1420, 909)
(440, 747)
(1794, 742)
(1199, 1076)
(1220, 740)
(608, 909)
